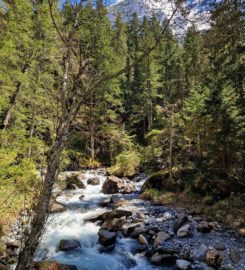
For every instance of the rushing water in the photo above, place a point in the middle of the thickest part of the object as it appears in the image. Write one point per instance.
(70, 225)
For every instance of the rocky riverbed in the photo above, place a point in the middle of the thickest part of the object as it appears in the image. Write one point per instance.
(99, 222)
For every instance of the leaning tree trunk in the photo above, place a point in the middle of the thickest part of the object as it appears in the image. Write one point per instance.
(39, 218)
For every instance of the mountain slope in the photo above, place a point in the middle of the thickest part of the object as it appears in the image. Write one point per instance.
(163, 9)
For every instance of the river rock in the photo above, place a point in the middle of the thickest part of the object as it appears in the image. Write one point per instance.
(105, 202)
(143, 240)
(214, 258)
(93, 181)
(130, 227)
(52, 266)
(67, 245)
(114, 224)
(74, 181)
(204, 227)
(114, 185)
(201, 252)
(137, 231)
(181, 220)
(107, 238)
(235, 256)
(157, 258)
(161, 237)
(116, 214)
(183, 264)
(55, 207)
(183, 231)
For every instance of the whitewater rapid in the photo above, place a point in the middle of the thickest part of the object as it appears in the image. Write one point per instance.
(71, 225)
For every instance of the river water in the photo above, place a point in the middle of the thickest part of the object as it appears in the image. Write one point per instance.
(71, 225)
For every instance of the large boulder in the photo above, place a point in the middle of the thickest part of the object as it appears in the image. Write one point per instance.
(163, 181)
(55, 207)
(67, 245)
(109, 215)
(107, 238)
(93, 181)
(74, 181)
(114, 185)
(114, 225)
(52, 266)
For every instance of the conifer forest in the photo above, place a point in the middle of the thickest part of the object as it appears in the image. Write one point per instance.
(122, 134)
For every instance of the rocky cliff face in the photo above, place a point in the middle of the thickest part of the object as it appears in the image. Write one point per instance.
(162, 9)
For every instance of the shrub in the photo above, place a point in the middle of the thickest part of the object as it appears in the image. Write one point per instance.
(127, 164)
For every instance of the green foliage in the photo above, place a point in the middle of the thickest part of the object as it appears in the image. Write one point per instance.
(127, 164)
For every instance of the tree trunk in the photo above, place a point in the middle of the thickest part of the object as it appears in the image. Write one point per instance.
(39, 217)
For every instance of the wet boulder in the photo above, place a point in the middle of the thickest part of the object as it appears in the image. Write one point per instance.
(114, 185)
(55, 207)
(74, 181)
(107, 238)
(163, 181)
(114, 225)
(68, 245)
(116, 214)
(93, 181)
(143, 240)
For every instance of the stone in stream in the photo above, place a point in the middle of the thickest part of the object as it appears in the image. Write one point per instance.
(161, 237)
(93, 181)
(181, 220)
(74, 181)
(105, 202)
(114, 185)
(116, 214)
(55, 207)
(128, 228)
(204, 227)
(213, 258)
(183, 264)
(157, 258)
(107, 238)
(235, 256)
(143, 240)
(108, 215)
(52, 266)
(183, 231)
(68, 245)
(114, 224)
